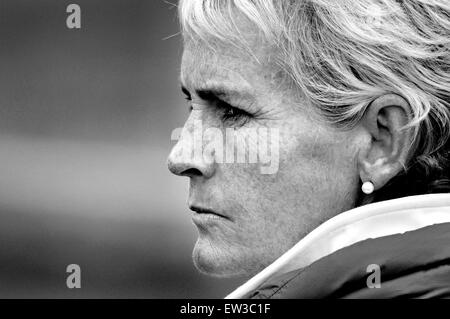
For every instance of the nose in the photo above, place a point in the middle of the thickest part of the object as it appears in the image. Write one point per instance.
(186, 157)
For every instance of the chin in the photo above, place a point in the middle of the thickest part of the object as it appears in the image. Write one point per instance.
(217, 261)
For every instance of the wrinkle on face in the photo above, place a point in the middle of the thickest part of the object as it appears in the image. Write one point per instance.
(269, 213)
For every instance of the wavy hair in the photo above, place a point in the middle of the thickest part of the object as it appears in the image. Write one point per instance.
(344, 54)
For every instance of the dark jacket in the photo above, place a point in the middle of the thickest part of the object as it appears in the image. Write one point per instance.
(415, 264)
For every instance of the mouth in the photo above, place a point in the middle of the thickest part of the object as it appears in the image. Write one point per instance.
(206, 213)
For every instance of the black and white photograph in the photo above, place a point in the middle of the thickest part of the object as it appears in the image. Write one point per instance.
(224, 153)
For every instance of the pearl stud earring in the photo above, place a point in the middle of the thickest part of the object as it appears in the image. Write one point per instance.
(368, 188)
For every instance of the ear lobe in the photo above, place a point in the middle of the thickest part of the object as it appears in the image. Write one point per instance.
(386, 152)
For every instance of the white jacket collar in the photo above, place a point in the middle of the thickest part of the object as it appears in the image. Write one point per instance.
(369, 221)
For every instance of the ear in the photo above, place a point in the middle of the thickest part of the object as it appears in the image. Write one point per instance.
(386, 153)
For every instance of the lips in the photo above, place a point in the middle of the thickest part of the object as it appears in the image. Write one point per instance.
(200, 210)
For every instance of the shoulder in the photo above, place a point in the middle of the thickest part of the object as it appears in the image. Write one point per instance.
(415, 264)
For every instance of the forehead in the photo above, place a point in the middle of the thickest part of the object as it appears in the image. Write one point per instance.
(201, 65)
(215, 62)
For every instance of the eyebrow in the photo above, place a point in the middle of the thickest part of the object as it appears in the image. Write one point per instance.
(219, 93)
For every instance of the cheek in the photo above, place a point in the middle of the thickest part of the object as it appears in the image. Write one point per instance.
(315, 180)
(318, 169)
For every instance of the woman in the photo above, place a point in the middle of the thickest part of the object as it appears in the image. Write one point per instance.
(358, 93)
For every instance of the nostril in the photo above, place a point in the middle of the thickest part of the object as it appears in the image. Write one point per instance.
(182, 169)
(191, 172)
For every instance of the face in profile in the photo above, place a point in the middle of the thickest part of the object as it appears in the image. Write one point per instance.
(246, 218)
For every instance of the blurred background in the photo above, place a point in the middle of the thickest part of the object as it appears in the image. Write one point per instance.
(85, 122)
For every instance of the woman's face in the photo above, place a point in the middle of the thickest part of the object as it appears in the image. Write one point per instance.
(257, 215)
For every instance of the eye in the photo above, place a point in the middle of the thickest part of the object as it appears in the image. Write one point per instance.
(232, 114)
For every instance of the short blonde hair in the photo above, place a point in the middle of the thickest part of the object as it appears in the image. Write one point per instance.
(344, 54)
